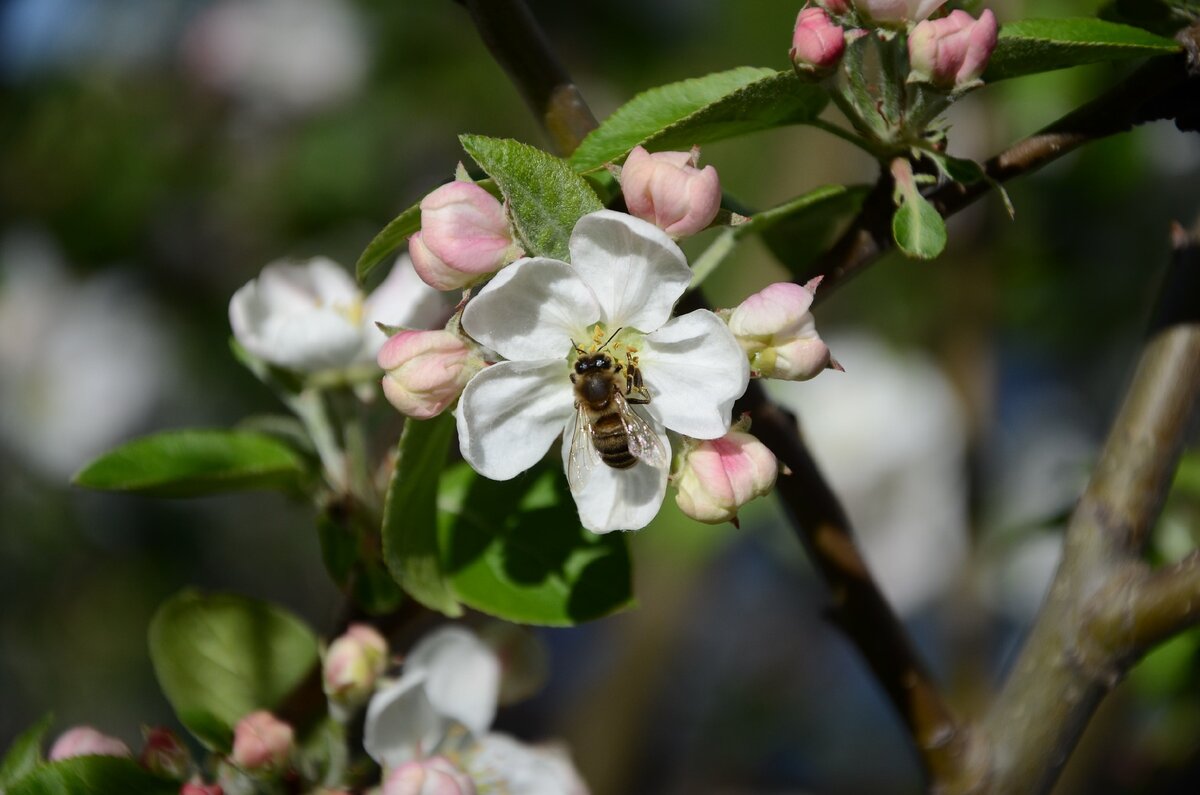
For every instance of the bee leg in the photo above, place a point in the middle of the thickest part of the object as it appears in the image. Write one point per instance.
(572, 378)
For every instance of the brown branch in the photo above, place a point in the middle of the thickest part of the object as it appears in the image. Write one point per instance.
(517, 43)
(1072, 658)
(1164, 88)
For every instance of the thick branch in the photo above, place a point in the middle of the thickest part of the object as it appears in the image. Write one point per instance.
(1069, 663)
(1164, 88)
(512, 35)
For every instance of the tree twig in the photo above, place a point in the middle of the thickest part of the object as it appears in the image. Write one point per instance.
(1104, 609)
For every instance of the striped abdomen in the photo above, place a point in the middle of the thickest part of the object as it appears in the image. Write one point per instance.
(612, 441)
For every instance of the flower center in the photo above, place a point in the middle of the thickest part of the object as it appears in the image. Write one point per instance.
(619, 343)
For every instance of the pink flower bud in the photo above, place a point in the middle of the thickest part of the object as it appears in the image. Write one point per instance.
(192, 788)
(817, 43)
(897, 11)
(426, 371)
(464, 236)
(436, 776)
(352, 664)
(778, 333)
(719, 476)
(164, 754)
(86, 741)
(666, 189)
(262, 741)
(952, 52)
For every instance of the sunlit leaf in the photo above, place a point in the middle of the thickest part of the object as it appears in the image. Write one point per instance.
(220, 656)
(24, 754)
(919, 229)
(93, 775)
(1031, 46)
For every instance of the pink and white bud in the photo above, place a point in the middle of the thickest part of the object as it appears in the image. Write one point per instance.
(262, 742)
(952, 52)
(87, 741)
(191, 788)
(719, 476)
(817, 42)
(164, 753)
(464, 236)
(776, 329)
(669, 191)
(352, 664)
(426, 371)
(894, 12)
(436, 776)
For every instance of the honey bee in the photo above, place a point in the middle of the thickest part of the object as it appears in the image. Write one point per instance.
(606, 427)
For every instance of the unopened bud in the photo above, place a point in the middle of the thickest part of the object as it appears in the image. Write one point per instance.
(817, 42)
(352, 664)
(952, 52)
(776, 329)
(897, 11)
(669, 191)
(164, 754)
(426, 371)
(436, 776)
(719, 476)
(464, 236)
(262, 742)
(192, 788)
(87, 741)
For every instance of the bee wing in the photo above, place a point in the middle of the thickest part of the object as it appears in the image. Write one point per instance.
(583, 457)
(643, 441)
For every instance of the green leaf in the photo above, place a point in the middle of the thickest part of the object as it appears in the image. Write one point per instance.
(220, 656)
(799, 231)
(918, 227)
(93, 775)
(1043, 45)
(545, 197)
(516, 550)
(193, 463)
(24, 754)
(703, 109)
(410, 525)
(354, 561)
(814, 210)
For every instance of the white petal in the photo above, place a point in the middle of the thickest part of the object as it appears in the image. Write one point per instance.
(402, 723)
(532, 310)
(511, 412)
(635, 270)
(462, 676)
(309, 338)
(500, 763)
(695, 370)
(620, 499)
(402, 299)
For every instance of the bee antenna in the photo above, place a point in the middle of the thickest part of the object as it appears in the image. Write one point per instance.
(577, 348)
(610, 338)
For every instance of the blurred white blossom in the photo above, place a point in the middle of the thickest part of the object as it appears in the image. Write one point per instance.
(286, 56)
(890, 434)
(82, 361)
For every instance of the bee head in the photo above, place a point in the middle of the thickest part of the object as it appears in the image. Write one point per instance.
(596, 361)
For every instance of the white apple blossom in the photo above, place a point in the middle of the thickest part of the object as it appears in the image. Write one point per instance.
(442, 707)
(624, 279)
(311, 316)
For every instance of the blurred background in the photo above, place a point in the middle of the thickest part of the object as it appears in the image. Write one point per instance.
(155, 154)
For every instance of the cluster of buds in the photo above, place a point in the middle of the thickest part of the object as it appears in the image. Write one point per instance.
(465, 237)
(352, 665)
(718, 476)
(669, 190)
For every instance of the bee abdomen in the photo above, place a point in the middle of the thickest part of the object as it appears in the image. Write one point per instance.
(612, 442)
